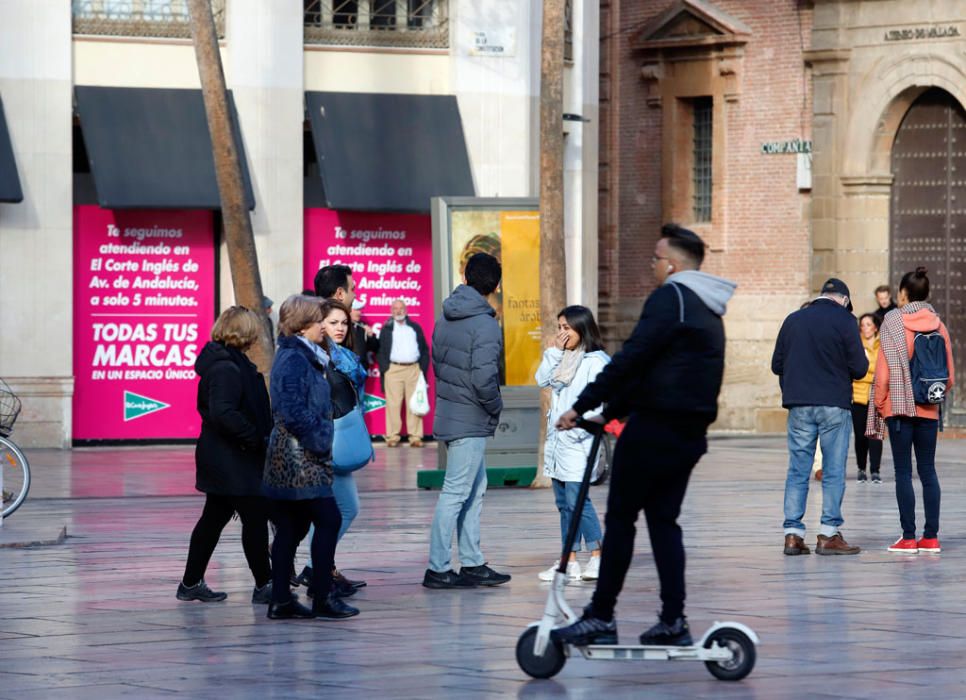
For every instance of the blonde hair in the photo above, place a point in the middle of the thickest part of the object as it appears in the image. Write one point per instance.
(237, 327)
(297, 313)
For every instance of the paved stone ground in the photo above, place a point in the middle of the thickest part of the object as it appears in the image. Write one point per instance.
(96, 617)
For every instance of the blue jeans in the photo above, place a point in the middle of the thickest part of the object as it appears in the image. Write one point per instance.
(459, 505)
(565, 493)
(806, 425)
(347, 499)
(920, 433)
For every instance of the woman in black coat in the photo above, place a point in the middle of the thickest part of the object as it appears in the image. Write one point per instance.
(236, 420)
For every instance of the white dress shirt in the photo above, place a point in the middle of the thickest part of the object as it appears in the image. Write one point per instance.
(405, 350)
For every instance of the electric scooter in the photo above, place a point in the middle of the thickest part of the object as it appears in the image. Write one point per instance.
(727, 648)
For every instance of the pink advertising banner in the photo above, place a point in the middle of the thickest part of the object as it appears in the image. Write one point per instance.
(144, 303)
(391, 256)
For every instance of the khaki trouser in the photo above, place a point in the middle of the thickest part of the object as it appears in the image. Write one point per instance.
(400, 383)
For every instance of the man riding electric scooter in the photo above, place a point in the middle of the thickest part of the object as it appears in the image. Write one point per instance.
(666, 378)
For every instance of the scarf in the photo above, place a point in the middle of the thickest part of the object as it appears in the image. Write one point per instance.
(892, 340)
(316, 350)
(564, 372)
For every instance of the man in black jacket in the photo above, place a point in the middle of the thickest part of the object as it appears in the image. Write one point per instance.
(667, 378)
(403, 355)
(817, 355)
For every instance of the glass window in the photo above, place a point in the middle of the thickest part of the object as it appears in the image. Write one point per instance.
(701, 159)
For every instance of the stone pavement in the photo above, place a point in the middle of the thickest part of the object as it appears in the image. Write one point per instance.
(96, 616)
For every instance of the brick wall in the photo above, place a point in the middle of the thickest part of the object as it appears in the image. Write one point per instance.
(762, 224)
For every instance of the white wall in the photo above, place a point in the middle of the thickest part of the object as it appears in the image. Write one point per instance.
(36, 234)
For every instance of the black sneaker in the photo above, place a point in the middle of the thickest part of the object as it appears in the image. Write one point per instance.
(663, 634)
(263, 595)
(862, 478)
(483, 575)
(304, 578)
(447, 579)
(199, 591)
(587, 630)
(876, 479)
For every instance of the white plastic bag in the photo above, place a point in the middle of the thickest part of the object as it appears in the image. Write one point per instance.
(419, 401)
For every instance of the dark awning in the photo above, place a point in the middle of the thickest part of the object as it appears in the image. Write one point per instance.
(388, 152)
(9, 180)
(150, 148)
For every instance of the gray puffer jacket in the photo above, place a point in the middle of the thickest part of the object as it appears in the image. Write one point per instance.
(467, 344)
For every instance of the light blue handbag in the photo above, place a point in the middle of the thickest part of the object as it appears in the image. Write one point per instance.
(352, 445)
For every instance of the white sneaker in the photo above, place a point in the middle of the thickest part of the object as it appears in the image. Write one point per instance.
(593, 569)
(573, 572)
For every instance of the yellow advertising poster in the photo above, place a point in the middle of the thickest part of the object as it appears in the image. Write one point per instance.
(521, 294)
(513, 238)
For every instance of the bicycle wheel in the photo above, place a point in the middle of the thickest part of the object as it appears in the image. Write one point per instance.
(16, 476)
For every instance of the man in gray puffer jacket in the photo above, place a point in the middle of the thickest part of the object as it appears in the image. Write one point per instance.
(467, 344)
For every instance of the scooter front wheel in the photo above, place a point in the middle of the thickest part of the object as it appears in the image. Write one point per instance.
(742, 648)
(546, 666)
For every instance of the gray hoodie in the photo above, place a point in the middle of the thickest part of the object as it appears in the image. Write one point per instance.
(467, 345)
(714, 291)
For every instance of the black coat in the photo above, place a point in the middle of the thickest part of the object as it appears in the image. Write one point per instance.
(666, 368)
(817, 355)
(385, 348)
(236, 419)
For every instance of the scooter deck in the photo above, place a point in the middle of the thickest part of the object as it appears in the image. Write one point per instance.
(636, 652)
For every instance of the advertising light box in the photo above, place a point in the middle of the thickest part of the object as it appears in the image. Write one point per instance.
(144, 303)
(391, 256)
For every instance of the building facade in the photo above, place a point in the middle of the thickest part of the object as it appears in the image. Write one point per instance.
(803, 140)
(485, 55)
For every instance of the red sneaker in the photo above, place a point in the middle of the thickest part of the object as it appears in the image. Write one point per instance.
(905, 546)
(930, 545)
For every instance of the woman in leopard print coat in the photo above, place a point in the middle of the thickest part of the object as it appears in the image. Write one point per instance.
(298, 468)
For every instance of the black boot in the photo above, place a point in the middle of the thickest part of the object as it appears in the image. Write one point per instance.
(332, 608)
(289, 610)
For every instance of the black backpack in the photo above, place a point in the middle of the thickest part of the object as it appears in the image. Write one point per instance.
(928, 368)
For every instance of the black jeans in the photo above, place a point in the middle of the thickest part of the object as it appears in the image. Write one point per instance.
(292, 520)
(653, 461)
(906, 434)
(217, 512)
(866, 449)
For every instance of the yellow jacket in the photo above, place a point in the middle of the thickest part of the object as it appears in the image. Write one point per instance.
(861, 387)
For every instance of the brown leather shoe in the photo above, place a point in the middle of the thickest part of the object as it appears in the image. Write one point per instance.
(835, 544)
(795, 545)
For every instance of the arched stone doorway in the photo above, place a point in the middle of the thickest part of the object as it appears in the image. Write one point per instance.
(928, 211)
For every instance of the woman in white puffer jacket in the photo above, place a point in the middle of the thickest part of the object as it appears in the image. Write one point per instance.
(569, 364)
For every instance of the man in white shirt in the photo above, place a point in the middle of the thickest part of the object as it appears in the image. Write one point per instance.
(403, 356)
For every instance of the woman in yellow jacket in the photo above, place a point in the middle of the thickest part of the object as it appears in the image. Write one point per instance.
(866, 447)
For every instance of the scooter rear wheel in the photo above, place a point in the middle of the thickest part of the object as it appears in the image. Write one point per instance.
(744, 654)
(546, 666)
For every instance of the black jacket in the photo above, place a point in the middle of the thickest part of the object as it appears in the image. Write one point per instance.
(385, 348)
(880, 313)
(817, 355)
(667, 367)
(363, 344)
(236, 419)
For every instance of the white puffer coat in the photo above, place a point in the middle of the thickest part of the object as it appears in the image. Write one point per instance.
(565, 452)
